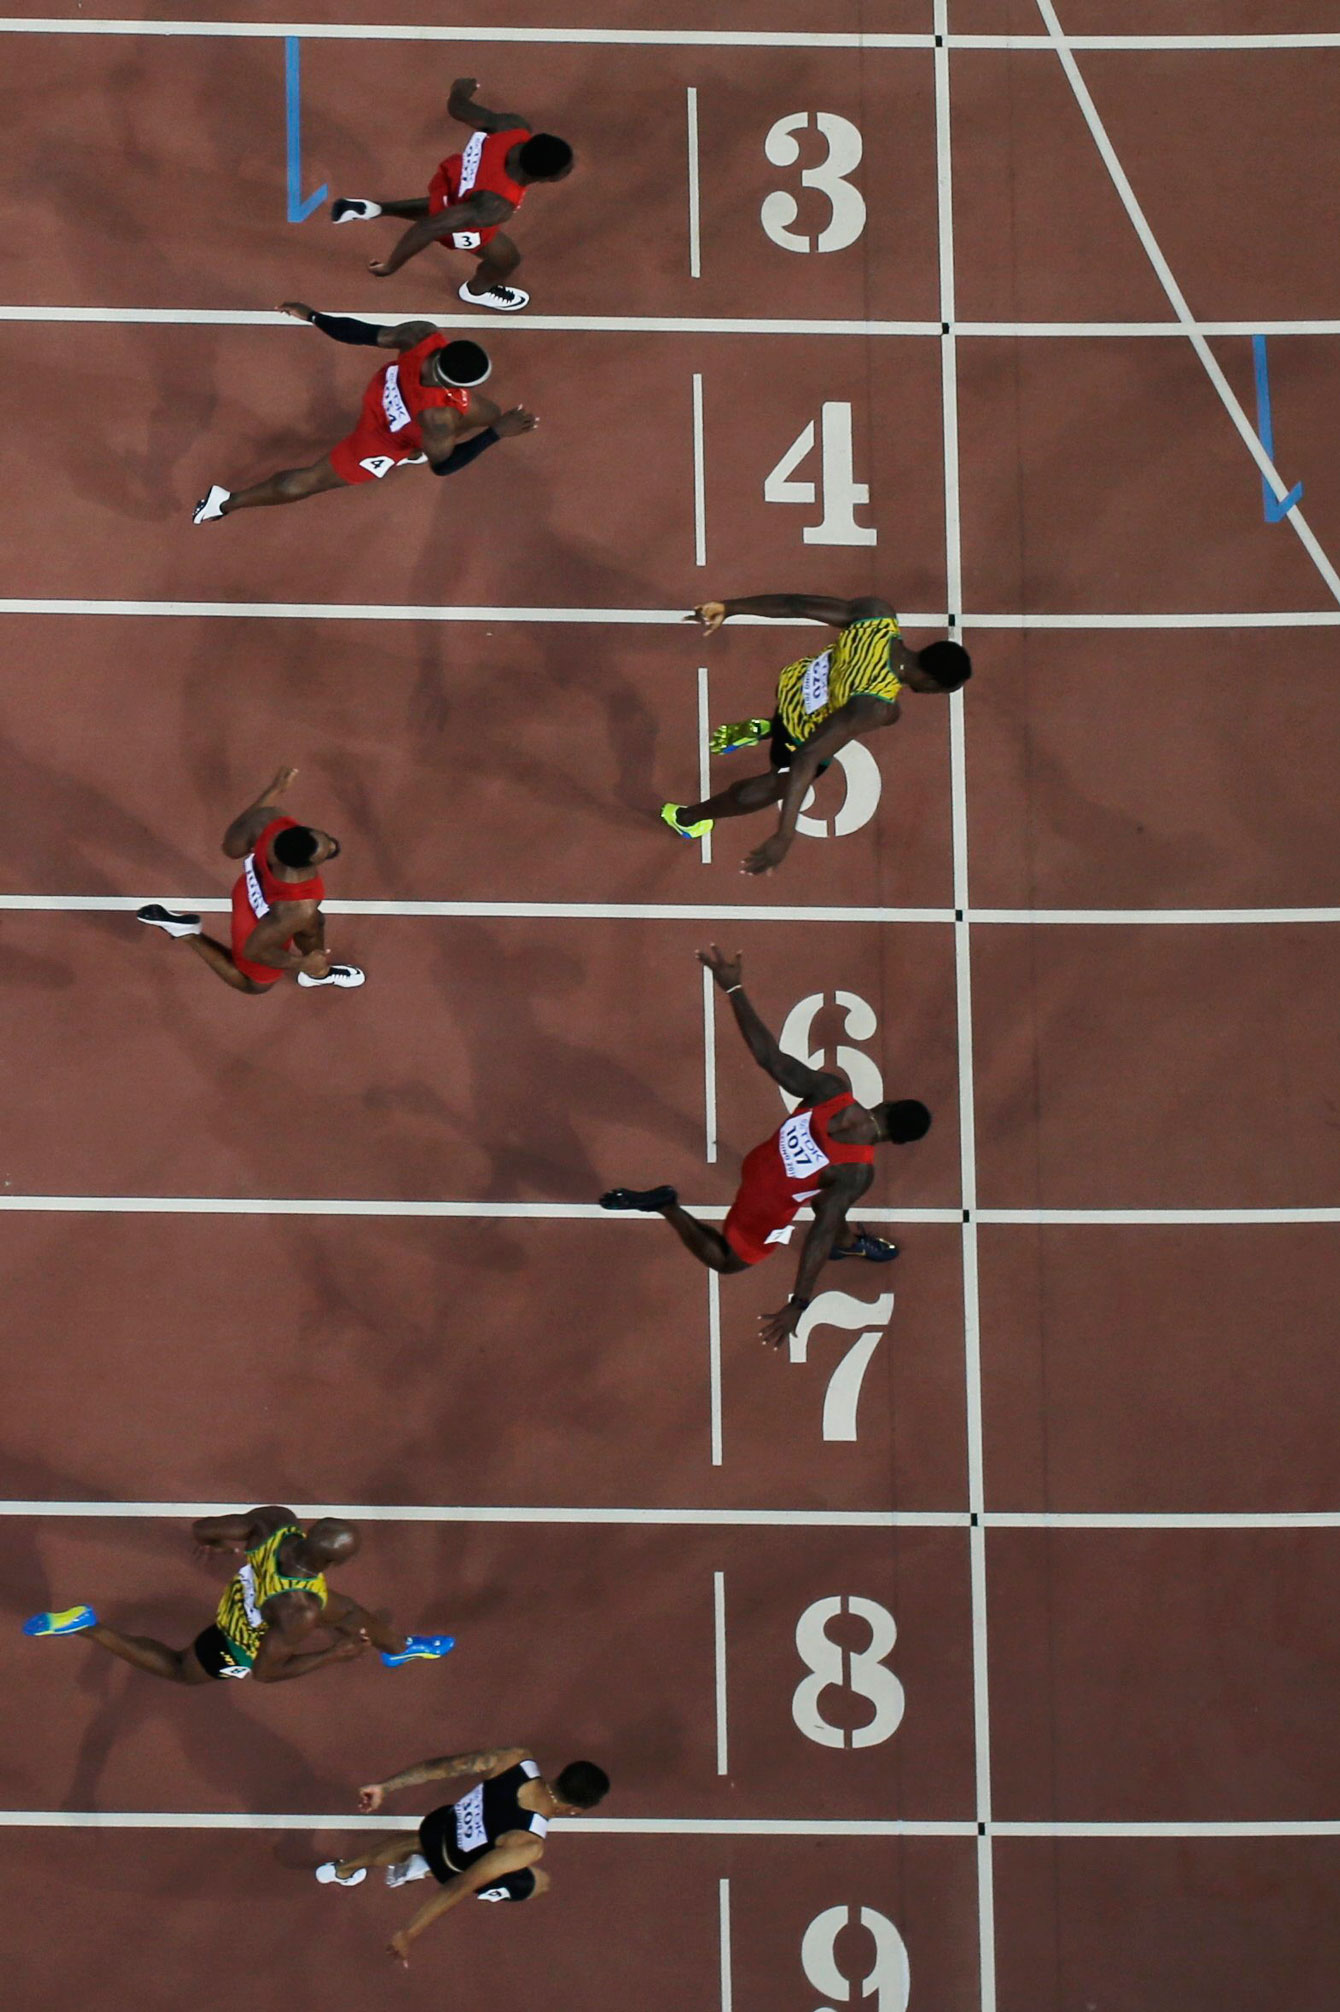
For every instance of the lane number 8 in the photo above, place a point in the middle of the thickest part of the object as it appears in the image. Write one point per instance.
(780, 209)
(861, 1670)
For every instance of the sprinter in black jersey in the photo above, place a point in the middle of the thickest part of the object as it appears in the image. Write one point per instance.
(488, 1843)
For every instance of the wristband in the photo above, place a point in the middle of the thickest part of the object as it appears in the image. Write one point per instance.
(733, 988)
(796, 1300)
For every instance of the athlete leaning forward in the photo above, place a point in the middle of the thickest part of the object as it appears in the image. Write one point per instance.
(278, 929)
(426, 406)
(275, 1606)
(470, 197)
(842, 694)
(489, 1843)
(823, 1154)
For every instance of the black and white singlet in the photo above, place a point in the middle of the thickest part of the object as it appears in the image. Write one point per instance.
(458, 1835)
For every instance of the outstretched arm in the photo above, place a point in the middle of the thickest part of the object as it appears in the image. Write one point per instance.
(840, 1187)
(793, 608)
(487, 1871)
(462, 105)
(240, 1533)
(793, 1076)
(488, 1761)
(243, 832)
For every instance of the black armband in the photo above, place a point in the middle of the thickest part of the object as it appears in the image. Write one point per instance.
(468, 451)
(346, 328)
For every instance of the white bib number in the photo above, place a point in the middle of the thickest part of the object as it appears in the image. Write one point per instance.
(863, 1671)
(246, 1579)
(470, 1831)
(801, 1152)
(379, 465)
(393, 403)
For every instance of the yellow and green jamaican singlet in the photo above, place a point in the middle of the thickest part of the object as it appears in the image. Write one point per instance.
(239, 1617)
(860, 663)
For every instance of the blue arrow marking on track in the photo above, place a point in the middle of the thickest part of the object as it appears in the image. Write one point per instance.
(298, 210)
(1276, 511)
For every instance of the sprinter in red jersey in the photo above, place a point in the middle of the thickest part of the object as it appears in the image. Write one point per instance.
(824, 1154)
(470, 197)
(277, 925)
(426, 406)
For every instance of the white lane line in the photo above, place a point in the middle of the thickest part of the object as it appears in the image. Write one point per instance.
(710, 1064)
(364, 1512)
(327, 1205)
(671, 1826)
(719, 1648)
(699, 476)
(679, 324)
(670, 911)
(958, 809)
(723, 1938)
(689, 38)
(704, 758)
(1177, 300)
(716, 1414)
(356, 611)
(1087, 1520)
(586, 1826)
(695, 247)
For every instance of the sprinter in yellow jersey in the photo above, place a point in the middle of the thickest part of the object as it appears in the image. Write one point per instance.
(824, 701)
(274, 1605)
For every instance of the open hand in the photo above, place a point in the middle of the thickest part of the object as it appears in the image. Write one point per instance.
(711, 615)
(768, 856)
(297, 308)
(372, 1797)
(726, 970)
(518, 420)
(775, 1328)
(464, 87)
(398, 1947)
(349, 1646)
(284, 779)
(381, 268)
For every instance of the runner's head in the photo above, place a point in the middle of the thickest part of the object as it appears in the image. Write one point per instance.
(301, 845)
(581, 1785)
(332, 1541)
(461, 364)
(940, 667)
(903, 1122)
(545, 158)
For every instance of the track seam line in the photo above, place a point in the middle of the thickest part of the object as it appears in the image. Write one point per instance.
(1051, 1520)
(617, 38)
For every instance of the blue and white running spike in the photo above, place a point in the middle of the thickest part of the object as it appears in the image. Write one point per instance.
(420, 1649)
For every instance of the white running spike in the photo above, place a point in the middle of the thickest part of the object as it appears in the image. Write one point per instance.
(506, 299)
(329, 1874)
(416, 1866)
(211, 506)
(347, 976)
(163, 918)
(353, 210)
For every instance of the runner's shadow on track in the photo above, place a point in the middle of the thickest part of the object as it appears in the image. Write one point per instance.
(58, 829)
(522, 1117)
(1113, 845)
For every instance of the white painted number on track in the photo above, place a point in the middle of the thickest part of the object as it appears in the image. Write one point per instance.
(837, 488)
(859, 1022)
(860, 1670)
(846, 205)
(888, 1980)
(843, 1309)
(860, 773)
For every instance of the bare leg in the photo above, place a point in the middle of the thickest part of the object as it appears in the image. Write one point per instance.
(708, 1245)
(290, 485)
(501, 259)
(410, 206)
(755, 792)
(156, 1659)
(391, 1851)
(220, 962)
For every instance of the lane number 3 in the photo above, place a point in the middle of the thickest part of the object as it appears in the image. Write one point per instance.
(846, 205)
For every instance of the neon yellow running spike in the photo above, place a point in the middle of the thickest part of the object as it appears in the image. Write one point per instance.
(69, 1621)
(670, 815)
(739, 734)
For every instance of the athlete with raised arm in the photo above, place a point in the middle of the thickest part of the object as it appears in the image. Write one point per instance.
(277, 924)
(489, 1843)
(824, 1153)
(277, 1601)
(843, 694)
(470, 197)
(419, 408)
